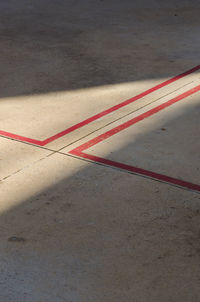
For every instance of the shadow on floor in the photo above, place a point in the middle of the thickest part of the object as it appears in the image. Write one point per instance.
(64, 45)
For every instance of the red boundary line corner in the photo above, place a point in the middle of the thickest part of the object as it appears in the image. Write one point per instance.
(164, 178)
(96, 116)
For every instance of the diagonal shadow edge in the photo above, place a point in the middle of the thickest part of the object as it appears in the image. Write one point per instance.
(78, 151)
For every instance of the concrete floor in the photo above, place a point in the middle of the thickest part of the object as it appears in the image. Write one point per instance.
(73, 230)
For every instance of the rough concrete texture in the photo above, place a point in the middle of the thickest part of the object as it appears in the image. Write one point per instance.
(76, 231)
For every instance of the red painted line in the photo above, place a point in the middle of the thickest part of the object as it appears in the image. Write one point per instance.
(120, 105)
(21, 138)
(139, 171)
(136, 119)
(99, 115)
(79, 150)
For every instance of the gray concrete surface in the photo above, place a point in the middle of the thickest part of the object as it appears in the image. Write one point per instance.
(76, 231)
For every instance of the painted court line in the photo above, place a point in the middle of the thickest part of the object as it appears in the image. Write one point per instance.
(21, 138)
(97, 116)
(79, 150)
